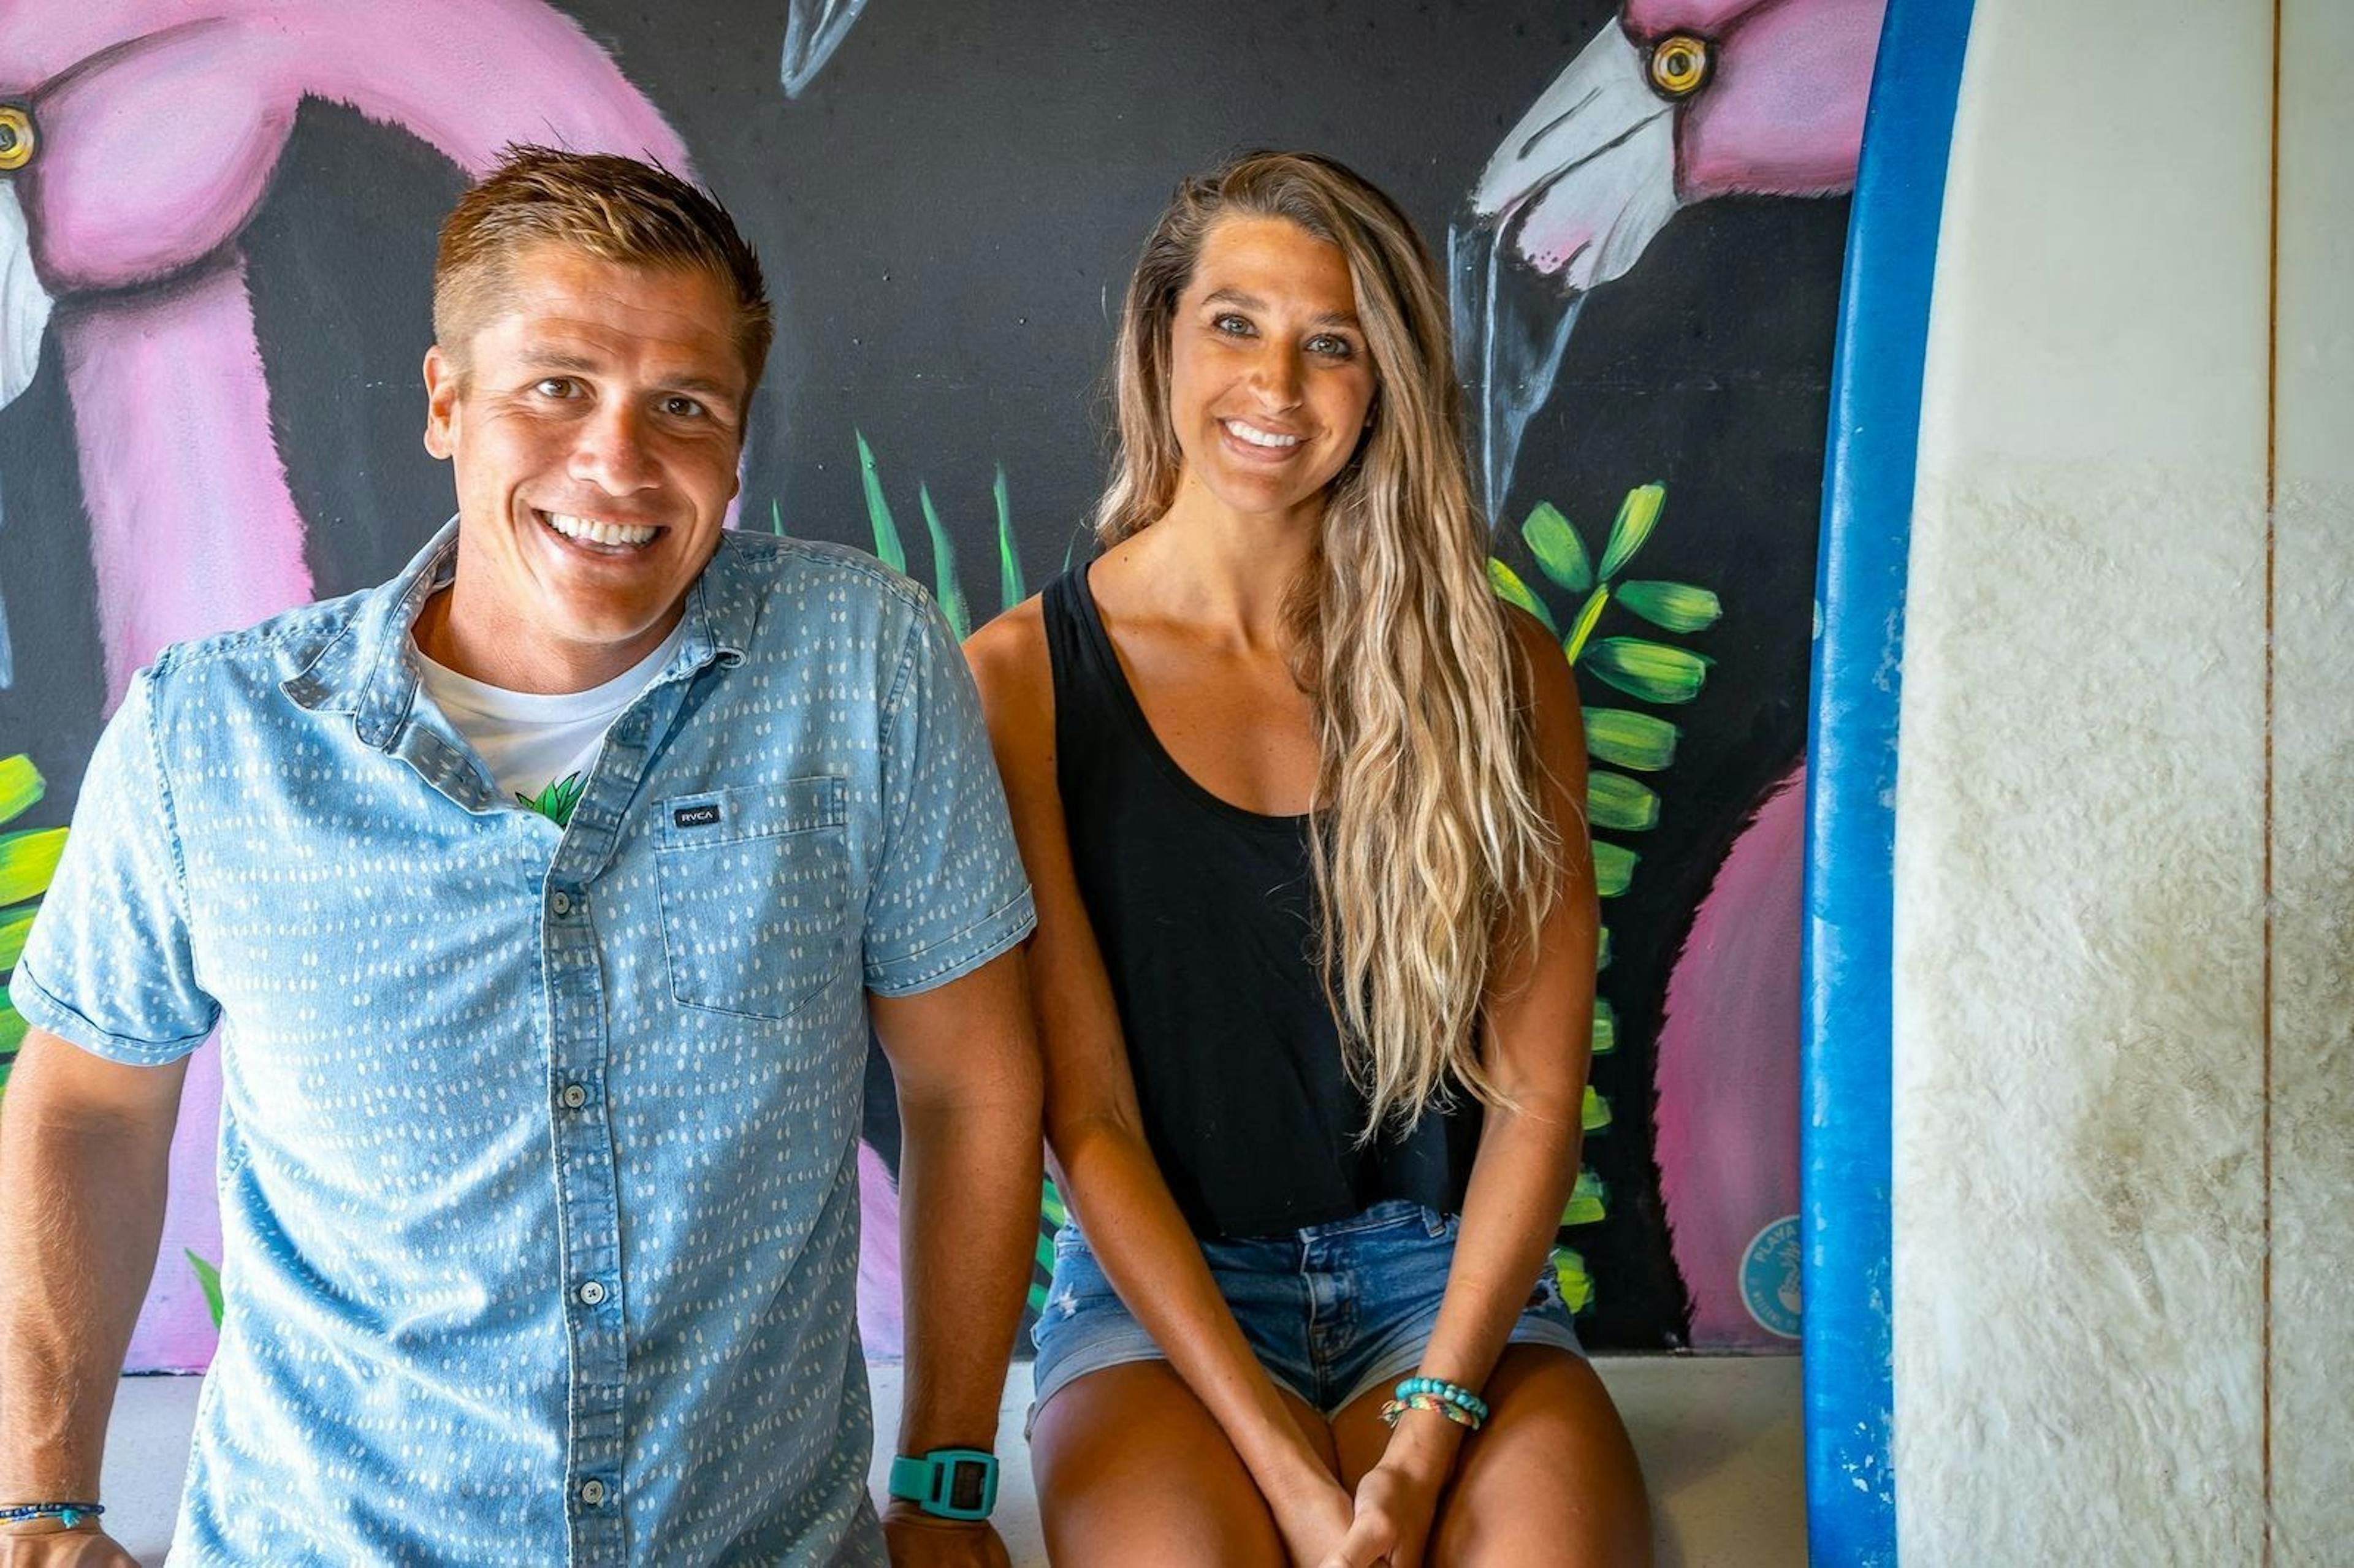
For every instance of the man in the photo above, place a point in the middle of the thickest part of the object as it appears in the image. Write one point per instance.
(542, 898)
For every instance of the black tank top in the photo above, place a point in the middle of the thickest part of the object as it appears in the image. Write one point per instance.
(1204, 913)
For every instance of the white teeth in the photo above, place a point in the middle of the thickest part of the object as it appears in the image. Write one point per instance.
(596, 532)
(1258, 437)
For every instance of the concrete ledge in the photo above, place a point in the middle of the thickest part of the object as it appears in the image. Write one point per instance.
(1718, 1438)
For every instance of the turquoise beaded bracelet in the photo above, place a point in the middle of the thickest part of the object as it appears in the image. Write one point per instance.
(70, 1514)
(1454, 1394)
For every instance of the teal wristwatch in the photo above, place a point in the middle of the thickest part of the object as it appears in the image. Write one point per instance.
(954, 1483)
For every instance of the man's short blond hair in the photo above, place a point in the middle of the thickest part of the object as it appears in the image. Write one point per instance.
(614, 208)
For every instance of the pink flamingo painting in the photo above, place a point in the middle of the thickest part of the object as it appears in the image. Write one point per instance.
(155, 129)
(143, 135)
(1676, 103)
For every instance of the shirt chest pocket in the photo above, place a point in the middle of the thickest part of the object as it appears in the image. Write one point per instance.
(754, 893)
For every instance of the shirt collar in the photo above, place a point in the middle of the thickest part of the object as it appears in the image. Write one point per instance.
(369, 671)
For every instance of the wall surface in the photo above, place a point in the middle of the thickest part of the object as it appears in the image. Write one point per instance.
(2121, 1006)
(214, 267)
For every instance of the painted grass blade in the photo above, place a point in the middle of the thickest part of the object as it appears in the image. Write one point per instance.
(1606, 1028)
(1625, 739)
(21, 785)
(1512, 590)
(1559, 552)
(1675, 607)
(1576, 1285)
(27, 861)
(1655, 672)
(878, 511)
(13, 929)
(209, 1281)
(1616, 802)
(1010, 590)
(1588, 1203)
(1614, 868)
(1574, 645)
(1637, 516)
(1595, 1114)
(946, 587)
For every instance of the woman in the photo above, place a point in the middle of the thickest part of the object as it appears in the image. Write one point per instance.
(1300, 802)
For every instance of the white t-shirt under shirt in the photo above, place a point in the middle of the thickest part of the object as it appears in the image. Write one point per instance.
(540, 746)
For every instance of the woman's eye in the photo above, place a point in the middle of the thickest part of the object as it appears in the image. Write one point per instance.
(1232, 326)
(1331, 347)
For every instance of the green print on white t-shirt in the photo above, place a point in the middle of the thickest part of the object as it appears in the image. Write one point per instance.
(556, 801)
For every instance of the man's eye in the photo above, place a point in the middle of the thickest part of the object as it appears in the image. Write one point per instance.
(557, 386)
(682, 407)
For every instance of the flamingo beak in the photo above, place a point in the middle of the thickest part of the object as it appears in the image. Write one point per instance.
(1569, 201)
(24, 305)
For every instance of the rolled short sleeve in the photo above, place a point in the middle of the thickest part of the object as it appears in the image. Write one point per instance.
(948, 893)
(107, 964)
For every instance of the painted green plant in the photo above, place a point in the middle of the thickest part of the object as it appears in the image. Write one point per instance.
(1621, 741)
(209, 1281)
(28, 858)
(947, 585)
(556, 802)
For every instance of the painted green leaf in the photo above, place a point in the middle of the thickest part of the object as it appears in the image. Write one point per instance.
(1045, 1253)
(1050, 1204)
(1625, 739)
(1555, 546)
(1637, 516)
(946, 588)
(878, 511)
(1589, 1203)
(1512, 590)
(13, 929)
(208, 1280)
(1678, 607)
(1606, 1028)
(1596, 1114)
(12, 1029)
(1602, 950)
(1037, 1297)
(1654, 672)
(556, 802)
(1614, 868)
(776, 520)
(1576, 1285)
(28, 860)
(1616, 802)
(20, 786)
(1574, 645)
(1011, 590)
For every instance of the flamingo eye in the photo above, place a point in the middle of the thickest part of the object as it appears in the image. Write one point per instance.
(16, 137)
(1679, 64)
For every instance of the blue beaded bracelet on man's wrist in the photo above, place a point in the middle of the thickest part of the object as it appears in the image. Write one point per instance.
(70, 1514)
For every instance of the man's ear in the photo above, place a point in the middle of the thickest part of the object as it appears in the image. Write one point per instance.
(441, 403)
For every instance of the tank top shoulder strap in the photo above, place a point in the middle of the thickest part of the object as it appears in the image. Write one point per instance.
(1090, 726)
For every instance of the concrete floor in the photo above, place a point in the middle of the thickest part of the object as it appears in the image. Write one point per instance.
(1718, 1438)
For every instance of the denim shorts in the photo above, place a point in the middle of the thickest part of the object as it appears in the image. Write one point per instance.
(1331, 1311)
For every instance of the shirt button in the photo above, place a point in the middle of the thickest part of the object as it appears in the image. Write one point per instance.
(591, 1293)
(561, 902)
(574, 1097)
(592, 1492)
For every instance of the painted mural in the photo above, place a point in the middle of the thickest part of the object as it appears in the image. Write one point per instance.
(215, 239)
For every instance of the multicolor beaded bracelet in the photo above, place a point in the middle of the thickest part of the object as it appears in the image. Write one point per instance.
(1454, 1394)
(70, 1514)
(1431, 1403)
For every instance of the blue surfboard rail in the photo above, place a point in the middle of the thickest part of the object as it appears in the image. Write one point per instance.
(1891, 268)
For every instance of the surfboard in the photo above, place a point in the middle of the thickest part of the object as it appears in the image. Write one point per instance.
(2077, 1010)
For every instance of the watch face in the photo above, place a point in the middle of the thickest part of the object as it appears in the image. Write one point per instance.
(968, 1484)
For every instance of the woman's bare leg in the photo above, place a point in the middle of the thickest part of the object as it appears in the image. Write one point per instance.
(1130, 1468)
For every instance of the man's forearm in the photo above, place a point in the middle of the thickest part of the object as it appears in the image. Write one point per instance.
(969, 1179)
(88, 1190)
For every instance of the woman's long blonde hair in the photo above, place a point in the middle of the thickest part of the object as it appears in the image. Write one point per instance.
(1434, 856)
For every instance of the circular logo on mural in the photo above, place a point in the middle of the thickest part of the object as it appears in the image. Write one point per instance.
(1769, 1277)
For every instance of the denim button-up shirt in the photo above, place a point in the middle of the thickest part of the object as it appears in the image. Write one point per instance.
(538, 1147)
